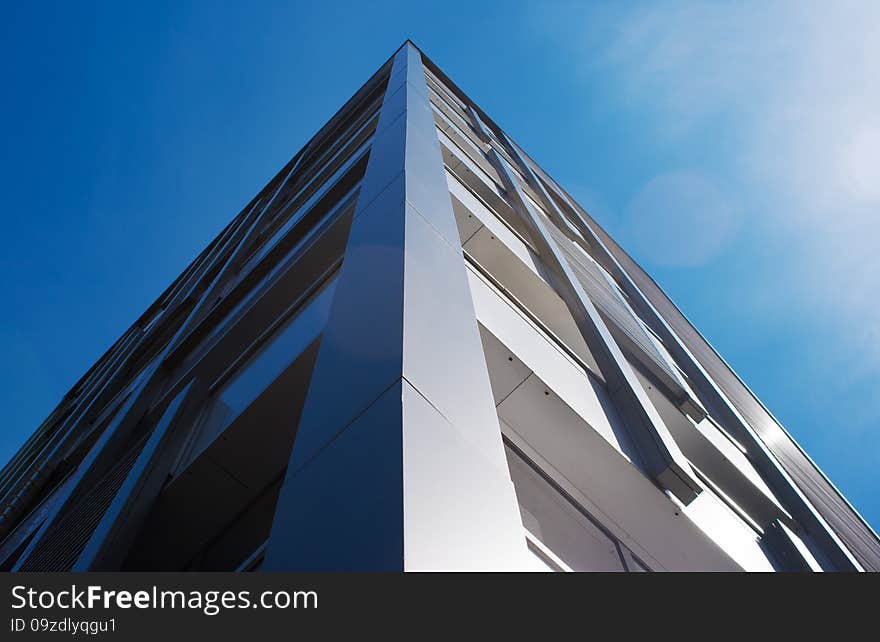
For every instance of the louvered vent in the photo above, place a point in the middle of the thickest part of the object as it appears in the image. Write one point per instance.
(61, 547)
(614, 308)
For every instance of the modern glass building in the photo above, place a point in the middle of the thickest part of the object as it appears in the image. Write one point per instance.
(413, 350)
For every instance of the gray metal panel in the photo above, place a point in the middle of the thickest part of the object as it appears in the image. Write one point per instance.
(460, 510)
(849, 526)
(616, 310)
(820, 507)
(343, 510)
(657, 449)
(398, 461)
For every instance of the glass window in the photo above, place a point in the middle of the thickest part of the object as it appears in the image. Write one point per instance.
(265, 365)
(314, 198)
(255, 291)
(348, 200)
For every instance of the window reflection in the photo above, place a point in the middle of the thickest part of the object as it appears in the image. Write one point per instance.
(264, 366)
(279, 266)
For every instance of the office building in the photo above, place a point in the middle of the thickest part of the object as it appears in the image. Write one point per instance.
(413, 350)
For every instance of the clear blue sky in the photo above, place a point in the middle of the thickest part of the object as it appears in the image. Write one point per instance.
(734, 149)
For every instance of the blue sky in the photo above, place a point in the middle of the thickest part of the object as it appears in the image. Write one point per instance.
(733, 148)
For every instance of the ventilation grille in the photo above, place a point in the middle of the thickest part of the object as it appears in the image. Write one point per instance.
(59, 549)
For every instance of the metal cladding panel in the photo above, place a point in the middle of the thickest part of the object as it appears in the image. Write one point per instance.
(612, 305)
(608, 485)
(459, 510)
(844, 521)
(841, 517)
(398, 462)
(659, 453)
(343, 509)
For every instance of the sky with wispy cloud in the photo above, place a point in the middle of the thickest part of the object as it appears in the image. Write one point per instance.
(760, 193)
(732, 147)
